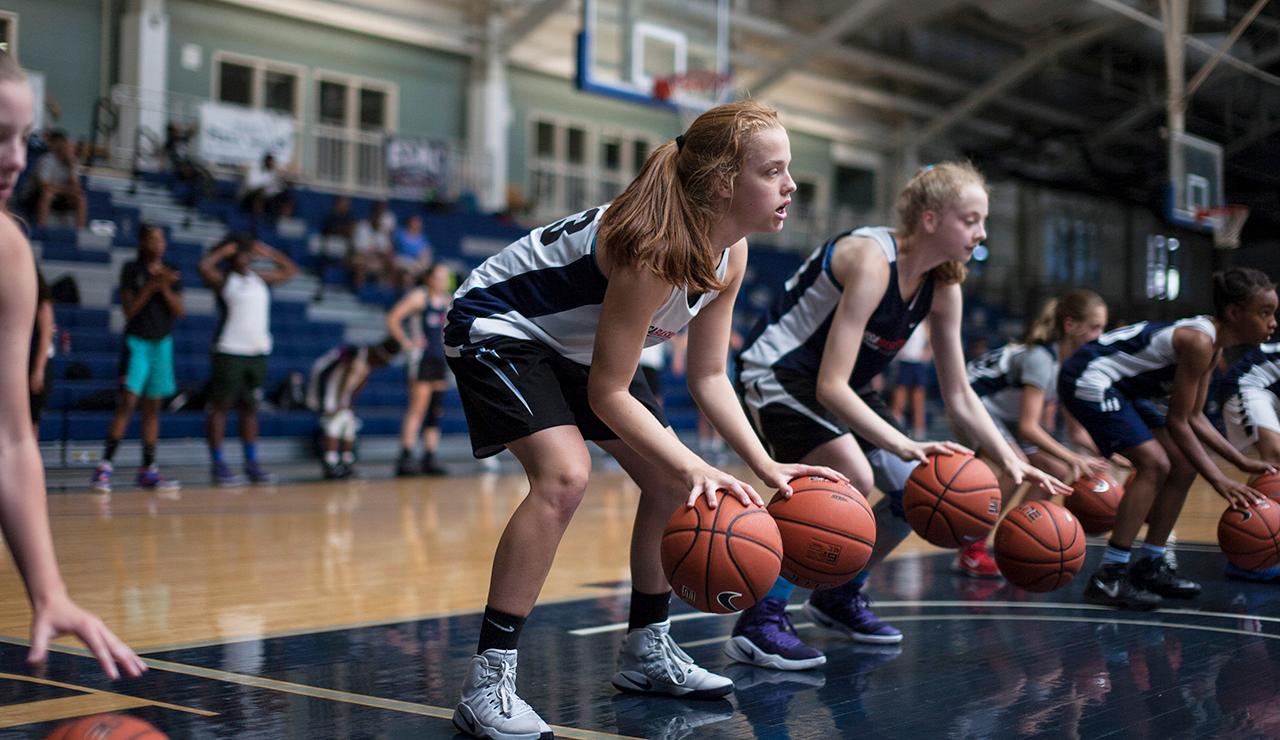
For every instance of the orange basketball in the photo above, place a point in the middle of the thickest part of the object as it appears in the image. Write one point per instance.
(107, 727)
(1095, 500)
(1268, 484)
(1250, 537)
(952, 500)
(1039, 546)
(827, 529)
(721, 560)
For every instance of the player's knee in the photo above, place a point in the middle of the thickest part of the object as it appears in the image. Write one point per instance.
(563, 490)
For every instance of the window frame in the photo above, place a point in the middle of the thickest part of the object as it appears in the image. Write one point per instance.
(257, 93)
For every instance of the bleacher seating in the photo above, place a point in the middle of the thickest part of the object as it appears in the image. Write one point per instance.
(80, 409)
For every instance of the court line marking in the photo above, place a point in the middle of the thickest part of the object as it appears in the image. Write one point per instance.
(1028, 618)
(313, 692)
(65, 707)
(89, 690)
(620, 626)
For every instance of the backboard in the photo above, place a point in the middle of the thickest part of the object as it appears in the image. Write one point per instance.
(626, 45)
(1195, 179)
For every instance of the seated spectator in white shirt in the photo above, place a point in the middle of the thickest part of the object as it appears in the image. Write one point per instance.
(265, 189)
(55, 183)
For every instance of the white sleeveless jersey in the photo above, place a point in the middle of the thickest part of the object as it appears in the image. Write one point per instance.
(1136, 360)
(547, 287)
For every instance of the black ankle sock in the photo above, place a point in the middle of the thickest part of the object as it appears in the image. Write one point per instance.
(109, 449)
(648, 609)
(499, 630)
(148, 455)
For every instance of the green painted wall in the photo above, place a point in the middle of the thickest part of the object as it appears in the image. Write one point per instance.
(63, 39)
(432, 84)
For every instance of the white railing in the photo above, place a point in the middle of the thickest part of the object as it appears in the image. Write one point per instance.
(331, 157)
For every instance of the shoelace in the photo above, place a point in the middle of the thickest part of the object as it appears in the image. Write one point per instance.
(785, 631)
(505, 690)
(674, 660)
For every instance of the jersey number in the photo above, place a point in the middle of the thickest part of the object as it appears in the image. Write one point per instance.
(552, 233)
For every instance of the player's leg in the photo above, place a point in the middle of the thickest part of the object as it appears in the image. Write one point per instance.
(255, 377)
(1252, 418)
(225, 386)
(419, 397)
(431, 430)
(1150, 569)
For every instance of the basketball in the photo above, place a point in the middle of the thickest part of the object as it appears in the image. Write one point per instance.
(1039, 546)
(827, 529)
(1095, 500)
(952, 500)
(1250, 538)
(1268, 484)
(721, 560)
(106, 727)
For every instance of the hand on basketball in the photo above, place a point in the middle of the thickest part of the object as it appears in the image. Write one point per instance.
(1238, 495)
(707, 481)
(61, 616)
(779, 476)
(1025, 471)
(1253, 466)
(921, 451)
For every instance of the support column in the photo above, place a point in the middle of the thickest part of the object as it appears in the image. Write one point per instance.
(144, 51)
(489, 119)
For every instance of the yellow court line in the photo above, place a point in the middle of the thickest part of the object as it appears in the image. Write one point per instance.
(88, 690)
(52, 710)
(314, 692)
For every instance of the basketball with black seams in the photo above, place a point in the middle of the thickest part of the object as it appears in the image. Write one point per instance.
(721, 560)
(828, 532)
(1094, 500)
(1268, 484)
(107, 727)
(1250, 537)
(952, 500)
(1039, 546)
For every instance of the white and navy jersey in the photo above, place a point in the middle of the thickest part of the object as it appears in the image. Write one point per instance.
(999, 376)
(1258, 369)
(336, 377)
(1137, 361)
(547, 287)
(791, 338)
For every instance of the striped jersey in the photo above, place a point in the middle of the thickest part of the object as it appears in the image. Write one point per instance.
(1137, 361)
(791, 337)
(336, 377)
(999, 376)
(1258, 369)
(547, 287)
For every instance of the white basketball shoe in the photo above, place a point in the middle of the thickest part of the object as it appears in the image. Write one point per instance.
(490, 707)
(652, 663)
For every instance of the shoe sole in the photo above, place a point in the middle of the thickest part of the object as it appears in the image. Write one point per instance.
(742, 650)
(623, 682)
(1104, 600)
(831, 625)
(488, 732)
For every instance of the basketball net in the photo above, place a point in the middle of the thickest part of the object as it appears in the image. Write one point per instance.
(1227, 222)
(692, 93)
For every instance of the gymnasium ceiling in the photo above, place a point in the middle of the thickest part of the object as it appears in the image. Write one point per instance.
(1069, 92)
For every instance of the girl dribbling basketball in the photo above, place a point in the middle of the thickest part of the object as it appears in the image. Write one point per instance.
(545, 338)
(805, 378)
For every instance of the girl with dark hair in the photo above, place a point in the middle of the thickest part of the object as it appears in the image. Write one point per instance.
(1140, 391)
(428, 304)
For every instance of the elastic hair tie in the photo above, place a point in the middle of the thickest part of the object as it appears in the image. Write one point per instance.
(679, 142)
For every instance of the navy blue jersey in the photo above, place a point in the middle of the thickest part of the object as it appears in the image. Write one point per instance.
(790, 339)
(1136, 361)
(1258, 369)
(433, 319)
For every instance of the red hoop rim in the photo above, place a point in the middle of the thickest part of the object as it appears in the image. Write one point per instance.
(703, 79)
(1231, 209)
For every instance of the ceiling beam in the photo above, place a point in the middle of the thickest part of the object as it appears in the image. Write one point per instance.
(1203, 73)
(1257, 133)
(807, 48)
(1191, 41)
(529, 22)
(1015, 74)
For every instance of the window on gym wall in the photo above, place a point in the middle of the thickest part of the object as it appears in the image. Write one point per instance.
(353, 117)
(253, 82)
(574, 165)
(9, 33)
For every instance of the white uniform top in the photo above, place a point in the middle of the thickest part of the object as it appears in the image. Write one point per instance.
(547, 287)
(1137, 361)
(244, 304)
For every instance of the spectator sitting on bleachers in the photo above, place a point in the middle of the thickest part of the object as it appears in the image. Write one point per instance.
(241, 348)
(412, 252)
(336, 240)
(337, 377)
(265, 189)
(186, 168)
(371, 252)
(55, 183)
(151, 297)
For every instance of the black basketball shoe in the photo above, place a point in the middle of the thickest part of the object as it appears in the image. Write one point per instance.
(1110, 585)
(1158, 577)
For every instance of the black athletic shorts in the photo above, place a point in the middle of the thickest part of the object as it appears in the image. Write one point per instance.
(789, 435)
(511, 388)
(425, 368)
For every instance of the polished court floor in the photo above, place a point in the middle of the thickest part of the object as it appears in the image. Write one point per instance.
(348, 609)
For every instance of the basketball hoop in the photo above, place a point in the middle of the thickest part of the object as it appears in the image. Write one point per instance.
(1227, 222)
(692, 93)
